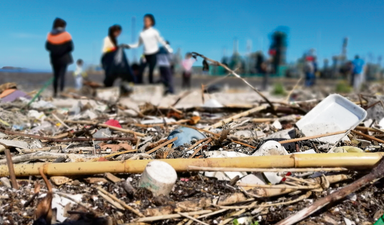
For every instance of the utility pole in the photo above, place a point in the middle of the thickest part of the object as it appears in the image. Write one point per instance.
(344, 49)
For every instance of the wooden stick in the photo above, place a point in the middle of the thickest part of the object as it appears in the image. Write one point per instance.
(244, 144)
(160, 124)
(11, 169)
(162, 145)
(263, 120)
(202, 130)
(110, 200)
(299, 180)
(369, 137)
(263, 205)
(227, 169)
(197, 143)
(191, 218)
(60, 121)
(120, 202)
(45, 155)
(236, 75)
(199, 148)
(212, 213)
(106, 126)
(77, 202)
(171, 216)
(69, 139)
(237, 116)
(291, 91)
(118, 153)
(313, 137)
(280, 186)
(372, 129)
(376, 173)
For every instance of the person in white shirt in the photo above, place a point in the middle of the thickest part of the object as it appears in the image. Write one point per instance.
(150, 38)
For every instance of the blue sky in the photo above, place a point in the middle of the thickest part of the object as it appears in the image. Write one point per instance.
(202, 26)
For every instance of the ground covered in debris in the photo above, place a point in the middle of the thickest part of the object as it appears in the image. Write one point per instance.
(262, 162)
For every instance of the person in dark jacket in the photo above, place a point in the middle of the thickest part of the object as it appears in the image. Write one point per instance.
(115, 65)
(164, 61)
(59, 44)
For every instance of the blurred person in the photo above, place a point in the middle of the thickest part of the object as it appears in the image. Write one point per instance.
(79, 74)
(115, 65)
(165, 61)
(187, 64)
(60, 45)
(143, 64)
(309, 71)
(316, 71)
(357, 74)
(150, 38)
(346, 70)
(261, 67)
(136, 72)
(266, 69)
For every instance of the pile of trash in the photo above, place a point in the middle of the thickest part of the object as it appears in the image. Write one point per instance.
(102, 162)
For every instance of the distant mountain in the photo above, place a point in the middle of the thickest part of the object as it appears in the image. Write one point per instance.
(13, 68)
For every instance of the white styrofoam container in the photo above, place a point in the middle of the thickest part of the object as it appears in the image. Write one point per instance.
(334, 113)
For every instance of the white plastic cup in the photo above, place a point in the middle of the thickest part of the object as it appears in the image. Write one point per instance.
(158, 177)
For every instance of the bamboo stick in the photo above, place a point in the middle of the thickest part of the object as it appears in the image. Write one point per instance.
(60, 121)
(225, 169)
(120, 202)
(111, 201)
(120, 153)
(191, 218)
(236, 75)
(348, 160)
(106, 126)
(376, 173)
(369, 137)
(197, 143)
(263, 120)
(271, 192)
(280, 186)
(199, 148)
(171, 216)
(162, 145)
(68, 139)
(237, 116)
(368, 129)
(244, 144)
(312, 137)
(212, 213)
(11, 169)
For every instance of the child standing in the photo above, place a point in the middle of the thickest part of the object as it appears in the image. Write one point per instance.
(164, 61)
(79, 74)
(187, 70)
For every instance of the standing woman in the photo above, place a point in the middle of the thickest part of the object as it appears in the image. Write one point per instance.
(59, 44)
(150, 38)
(114, 69)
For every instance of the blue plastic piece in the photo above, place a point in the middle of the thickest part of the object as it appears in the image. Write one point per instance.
(185, 135)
